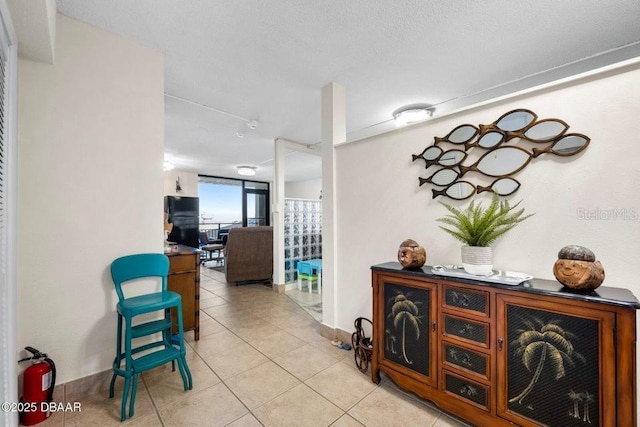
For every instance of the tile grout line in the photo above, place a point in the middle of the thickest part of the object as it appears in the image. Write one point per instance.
(232, 302)
(223, 381)
(269, 359)
(153, 401)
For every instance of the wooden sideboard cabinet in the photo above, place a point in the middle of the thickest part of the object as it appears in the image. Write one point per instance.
(535, 354)
(184, 278)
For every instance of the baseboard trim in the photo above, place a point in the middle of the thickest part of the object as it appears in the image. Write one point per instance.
(77, 389)
(335, 333)
(80, 387)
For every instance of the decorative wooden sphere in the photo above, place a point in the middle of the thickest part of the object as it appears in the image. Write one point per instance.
(411, 254)
(577, 268)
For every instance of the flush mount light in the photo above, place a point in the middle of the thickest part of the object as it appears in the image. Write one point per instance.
(412, 113)
(246, 170)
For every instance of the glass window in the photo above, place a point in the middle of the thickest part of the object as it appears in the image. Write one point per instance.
(226, 203)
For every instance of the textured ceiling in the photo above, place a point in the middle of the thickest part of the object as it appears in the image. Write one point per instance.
(227, 62)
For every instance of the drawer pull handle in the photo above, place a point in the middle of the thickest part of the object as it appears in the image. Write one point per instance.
(433, 326)
(500, 342)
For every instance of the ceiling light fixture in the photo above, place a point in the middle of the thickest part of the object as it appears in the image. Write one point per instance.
(413, 113)
(246, 170)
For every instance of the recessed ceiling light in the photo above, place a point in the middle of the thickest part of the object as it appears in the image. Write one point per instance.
(246, 170)
(412, 113)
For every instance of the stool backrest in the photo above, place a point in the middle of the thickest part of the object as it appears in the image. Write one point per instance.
(304, 268)
(137, 266)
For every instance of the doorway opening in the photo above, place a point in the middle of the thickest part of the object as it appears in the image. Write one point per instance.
(303, 244)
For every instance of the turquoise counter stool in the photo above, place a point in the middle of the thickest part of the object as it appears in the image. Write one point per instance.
(168, 347)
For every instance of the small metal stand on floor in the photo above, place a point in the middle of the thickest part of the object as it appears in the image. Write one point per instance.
(362, 344)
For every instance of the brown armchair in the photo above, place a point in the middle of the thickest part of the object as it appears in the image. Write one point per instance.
(248, 254)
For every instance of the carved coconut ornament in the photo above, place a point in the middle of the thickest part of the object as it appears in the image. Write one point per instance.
(411, 254)
(577, 268)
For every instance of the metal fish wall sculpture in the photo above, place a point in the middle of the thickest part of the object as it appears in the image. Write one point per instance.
(499, 156)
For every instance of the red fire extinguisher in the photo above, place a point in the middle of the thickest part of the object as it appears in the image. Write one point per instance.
(37, 390)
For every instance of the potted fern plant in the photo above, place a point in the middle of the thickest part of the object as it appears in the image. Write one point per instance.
(478, 228)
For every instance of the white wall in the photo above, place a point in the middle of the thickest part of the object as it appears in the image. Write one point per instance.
(308, 189)
(380, 204)
(90, 153)
(188, 183)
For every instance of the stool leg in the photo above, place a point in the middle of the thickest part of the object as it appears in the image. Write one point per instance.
(134, 389)
(112, 384)
(117, 360)
(187, 380)
(125, 392)
(167, 336)
(128, 368)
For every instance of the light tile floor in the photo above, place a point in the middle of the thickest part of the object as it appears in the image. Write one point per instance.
(260, 361)
(311, 302)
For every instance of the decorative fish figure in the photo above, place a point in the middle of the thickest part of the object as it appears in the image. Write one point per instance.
(459, 135)
(441, 177)
(428, 154)
(568, 145)
(501, 186)
(512, 121)
(458, 190)
(545, 130)
(445, 158)
(500, 162)
(489, 139)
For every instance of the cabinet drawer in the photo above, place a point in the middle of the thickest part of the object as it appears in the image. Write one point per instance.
(467, 390)
(466, 329)
(475, 302)
(179, 263)
(463, 358)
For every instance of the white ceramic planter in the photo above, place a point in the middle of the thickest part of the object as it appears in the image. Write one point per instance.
(477, 260)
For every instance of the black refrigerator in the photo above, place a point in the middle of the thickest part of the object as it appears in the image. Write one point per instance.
(184, 214)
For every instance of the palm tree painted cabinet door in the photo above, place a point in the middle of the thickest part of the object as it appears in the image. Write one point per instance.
(551, 363)
(409, 329)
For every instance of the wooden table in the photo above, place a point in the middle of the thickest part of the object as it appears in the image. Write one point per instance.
(184, 278)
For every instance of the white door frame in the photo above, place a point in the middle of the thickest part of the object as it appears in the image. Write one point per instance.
(8, 240)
